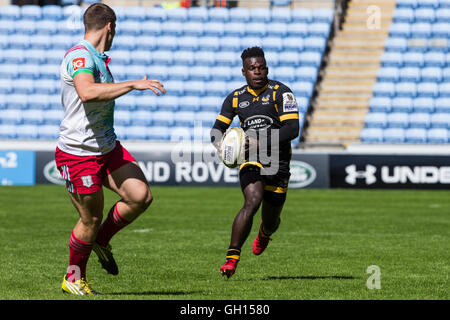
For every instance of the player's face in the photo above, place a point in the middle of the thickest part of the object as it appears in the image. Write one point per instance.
(255, 72)
(111, 33)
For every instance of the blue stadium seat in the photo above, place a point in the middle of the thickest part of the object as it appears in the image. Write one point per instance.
(442, 104)
(402, 104)
(411, 74)
(285, 74)
(440, 120)
(198, 14)
(440, 29)
(258, 29)
(238, 29)
(415, 135)
(424, 15)
(423, 104)
(214, 28)
(27, 131)
(392, 59)
(142, 118)
(13, 56)
(431, 74)
(32, 12)
(163, 118)
(188, 43)
(303, 15)
(11, 116)
(227, 58)
(129, 28)
(124, 42)
(324, 15)
(47, 27)
(185, 118)
(179, 14)
(397, 44)
(427, 89)
(181, 134)
(303, 104)
(8, 131)
(281, 15)
(167, 42)
(397, 120)
(406, 89)
(403, 15)
(413, 59)
(158, 133)
(146, 102)
(158, 14)
(400, 29)
(195, 88)
(207, 118)
(205, 58)
(446, 74)
(380, 104)
(293, 44)
(29, 71)
(444, 89)
(302, 88)
(211, 103)
(5, 86)
(239, 14)
(394, 135)
(248, 42)
(443, 15)
(289, 58)
(193, 28)
(406, 3)
(218, 14)
(216, 88)
(8, 71)
(137, 14)
(199, 73)
(230, 43)
(8, 27)
(174, 87)
(263, 15)
(10, 12)
(315, 43)
(189, 103)
(375, 120)
(122, 117)
(437, 135)
(419, 120)
(125, 102)
(277, 29)
(319, 29)
(25, 86)
(298, 29)
(384, 89)
(39, 101)
(428, 4)
(434, 59)
(164, 57)
(306, 74)
(209, 43)
(388, 74)
(152, 28)
(48, 132)
(310, 58)
(136, 133)
(183, 57)
(179, 72)
(372, 135)
(223, 73)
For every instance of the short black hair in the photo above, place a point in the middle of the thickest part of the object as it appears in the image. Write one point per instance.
(97, 16)
(252, 52)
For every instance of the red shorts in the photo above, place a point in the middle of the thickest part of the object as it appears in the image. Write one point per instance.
(85, 174)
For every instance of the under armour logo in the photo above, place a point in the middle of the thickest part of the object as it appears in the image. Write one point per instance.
(353, 174)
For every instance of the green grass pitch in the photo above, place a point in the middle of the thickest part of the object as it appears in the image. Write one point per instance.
(326, 242)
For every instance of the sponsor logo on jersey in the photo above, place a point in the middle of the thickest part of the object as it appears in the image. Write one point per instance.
(257, 122)
(78, 63)
(289, 102)
(87, 181)
(244, 104)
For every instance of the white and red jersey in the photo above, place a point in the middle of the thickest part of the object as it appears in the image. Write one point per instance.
(87, 128)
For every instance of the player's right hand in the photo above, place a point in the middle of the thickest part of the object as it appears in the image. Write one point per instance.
(146, 84)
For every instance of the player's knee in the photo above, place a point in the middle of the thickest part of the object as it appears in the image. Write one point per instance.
(142, 200)
(252, 202)
(275, 199)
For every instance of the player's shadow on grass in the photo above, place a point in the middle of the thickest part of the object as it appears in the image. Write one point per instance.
(153, 293)
(308, 277)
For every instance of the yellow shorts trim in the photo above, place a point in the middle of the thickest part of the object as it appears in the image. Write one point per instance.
(250, 163)
(275, 189)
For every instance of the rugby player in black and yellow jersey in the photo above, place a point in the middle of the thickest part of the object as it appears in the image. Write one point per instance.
(268, 113)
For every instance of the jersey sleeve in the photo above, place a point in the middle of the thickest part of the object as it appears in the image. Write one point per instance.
(227, 112)
(78, 61)
(287, 104)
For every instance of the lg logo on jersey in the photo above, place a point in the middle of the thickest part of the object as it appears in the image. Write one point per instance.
(78, 63)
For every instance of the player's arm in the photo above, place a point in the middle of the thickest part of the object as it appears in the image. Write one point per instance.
(90, 91)
(289, 118)
(223, 121)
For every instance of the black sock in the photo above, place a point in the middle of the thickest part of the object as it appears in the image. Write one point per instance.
(233, 253)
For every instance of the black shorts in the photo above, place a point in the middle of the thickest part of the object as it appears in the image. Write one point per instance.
(275, 186)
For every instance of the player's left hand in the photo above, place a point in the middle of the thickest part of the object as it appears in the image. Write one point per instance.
(146, 84)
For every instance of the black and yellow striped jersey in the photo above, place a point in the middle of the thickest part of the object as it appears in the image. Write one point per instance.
(266, 108)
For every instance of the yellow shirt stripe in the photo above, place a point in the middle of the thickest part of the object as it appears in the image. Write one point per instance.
(289, 116)
(223, 119)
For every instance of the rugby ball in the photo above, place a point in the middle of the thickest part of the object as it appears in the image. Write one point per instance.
(232, 148)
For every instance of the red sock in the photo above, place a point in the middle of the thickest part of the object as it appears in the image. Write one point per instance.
(79, 256)
(113, 224)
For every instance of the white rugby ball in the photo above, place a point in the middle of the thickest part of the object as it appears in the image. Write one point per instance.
(232, 150)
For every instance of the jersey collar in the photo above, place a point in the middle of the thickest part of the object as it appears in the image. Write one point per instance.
(92, 50)
(257, 92)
